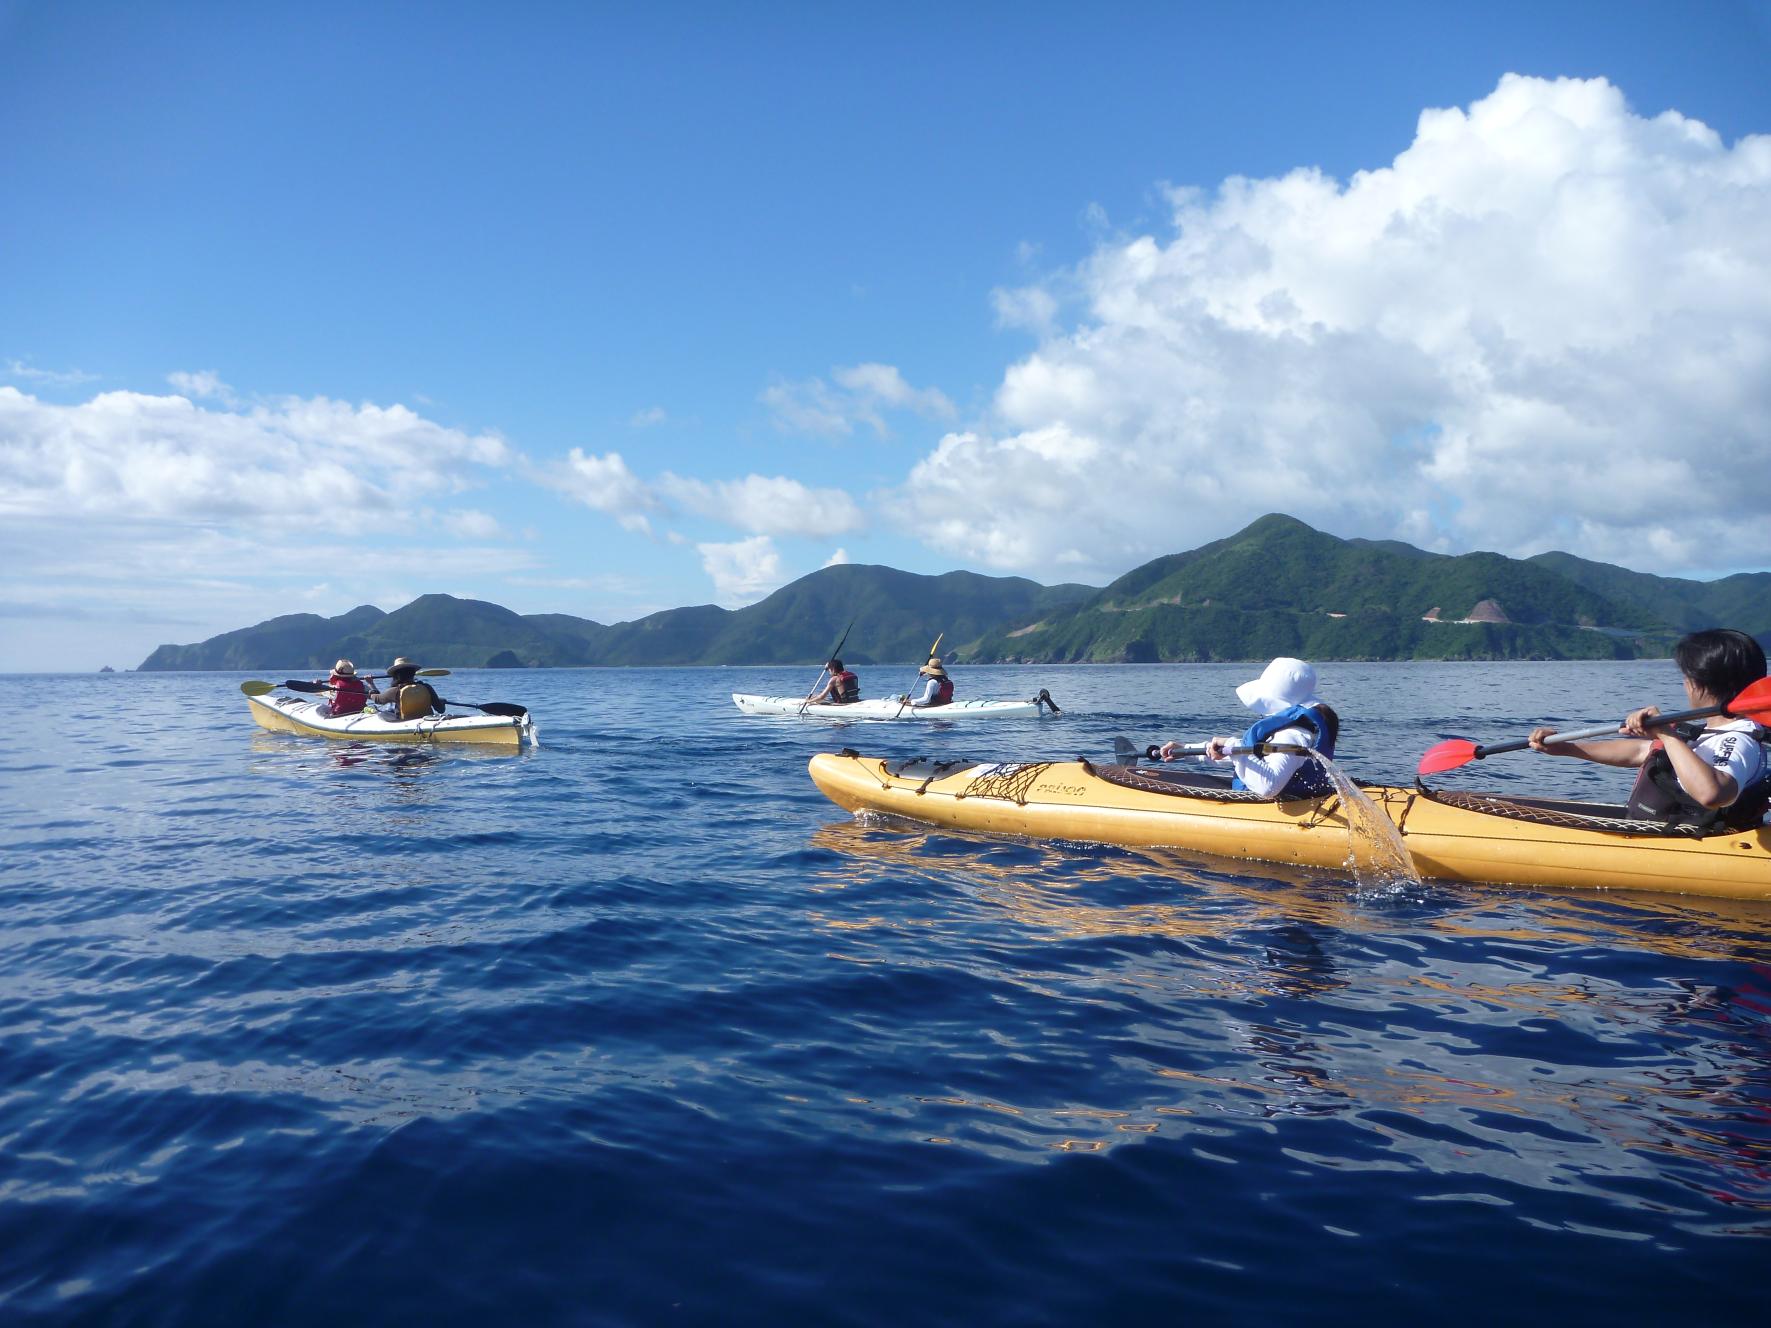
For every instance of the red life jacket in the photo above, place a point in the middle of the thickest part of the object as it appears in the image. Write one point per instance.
(943, 692)
(350, 694)
(846, 689)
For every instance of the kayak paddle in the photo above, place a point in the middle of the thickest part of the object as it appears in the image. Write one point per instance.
(258, 687)
(835, 652)
(1753, 702)
(1129, 755)
(507, 708)
(906, 698)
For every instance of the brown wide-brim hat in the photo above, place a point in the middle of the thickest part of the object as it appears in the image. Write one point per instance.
(933, 669)
(402, 665)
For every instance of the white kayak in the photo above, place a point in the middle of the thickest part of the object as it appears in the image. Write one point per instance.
(891, 708)
(287, 714)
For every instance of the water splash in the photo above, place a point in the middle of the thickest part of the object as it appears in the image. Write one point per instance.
(1376, 855)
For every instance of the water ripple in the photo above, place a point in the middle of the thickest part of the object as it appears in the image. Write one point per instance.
(638, 1027)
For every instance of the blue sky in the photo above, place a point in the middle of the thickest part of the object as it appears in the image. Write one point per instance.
(607, 308)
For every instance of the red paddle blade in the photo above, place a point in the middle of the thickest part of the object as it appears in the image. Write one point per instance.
(1753, 702)
(1447, 755)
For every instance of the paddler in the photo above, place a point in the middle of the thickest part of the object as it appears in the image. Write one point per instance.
(405, 697)
(844, 688)
(1291, 715)
(1713, 775)
(934, 687)
(350, 694)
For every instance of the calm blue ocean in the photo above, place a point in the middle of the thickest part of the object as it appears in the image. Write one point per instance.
(637, 1028)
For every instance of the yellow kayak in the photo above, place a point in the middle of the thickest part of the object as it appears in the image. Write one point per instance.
(1450, 835)
(287, 714)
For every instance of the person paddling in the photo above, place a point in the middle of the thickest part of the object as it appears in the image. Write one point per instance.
(844, 688)
(1292, 715)
(935, 688)
(350, 694)
(405, 697)
(1713, 775)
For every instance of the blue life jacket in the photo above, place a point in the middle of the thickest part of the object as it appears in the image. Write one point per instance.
(1311, 780)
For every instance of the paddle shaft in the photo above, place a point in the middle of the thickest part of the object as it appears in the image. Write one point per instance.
(1598, 731)
(1259, 749)
(507, 709)
(1153, 752)
(1752, 702)
(932, 650)
(841, 641)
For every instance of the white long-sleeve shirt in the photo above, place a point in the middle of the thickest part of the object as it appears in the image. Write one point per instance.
(1266, 775)
(926, 693)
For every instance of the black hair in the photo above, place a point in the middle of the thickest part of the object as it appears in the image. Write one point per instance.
(836, 666)
(1331, 722)
(1722, 661)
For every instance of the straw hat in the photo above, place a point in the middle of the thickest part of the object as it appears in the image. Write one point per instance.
(933, 668)
(345, 669)
(402, 665)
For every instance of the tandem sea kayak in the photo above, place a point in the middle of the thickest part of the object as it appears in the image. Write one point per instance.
(891, 708)
(286, 714)
(1450, 835)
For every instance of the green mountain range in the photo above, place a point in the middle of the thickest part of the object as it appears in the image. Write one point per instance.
(1282, 588)
(1275, 588)
(897, 616)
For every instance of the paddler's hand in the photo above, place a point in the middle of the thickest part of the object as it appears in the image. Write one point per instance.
(1216, 749)
(1167, 751)
(1637, 722)
(1540, 742)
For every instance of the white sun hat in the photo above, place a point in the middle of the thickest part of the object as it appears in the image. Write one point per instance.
(1283, 683)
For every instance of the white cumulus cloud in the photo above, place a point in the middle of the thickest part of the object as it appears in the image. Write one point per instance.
(312, 461)
(1544, 324)
(606, 484)
(767, 504)
(743, 571)
(758, 504)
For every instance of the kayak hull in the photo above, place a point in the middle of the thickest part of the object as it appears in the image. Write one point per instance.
(753, 704)
(1070, 800)
(284, 714)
